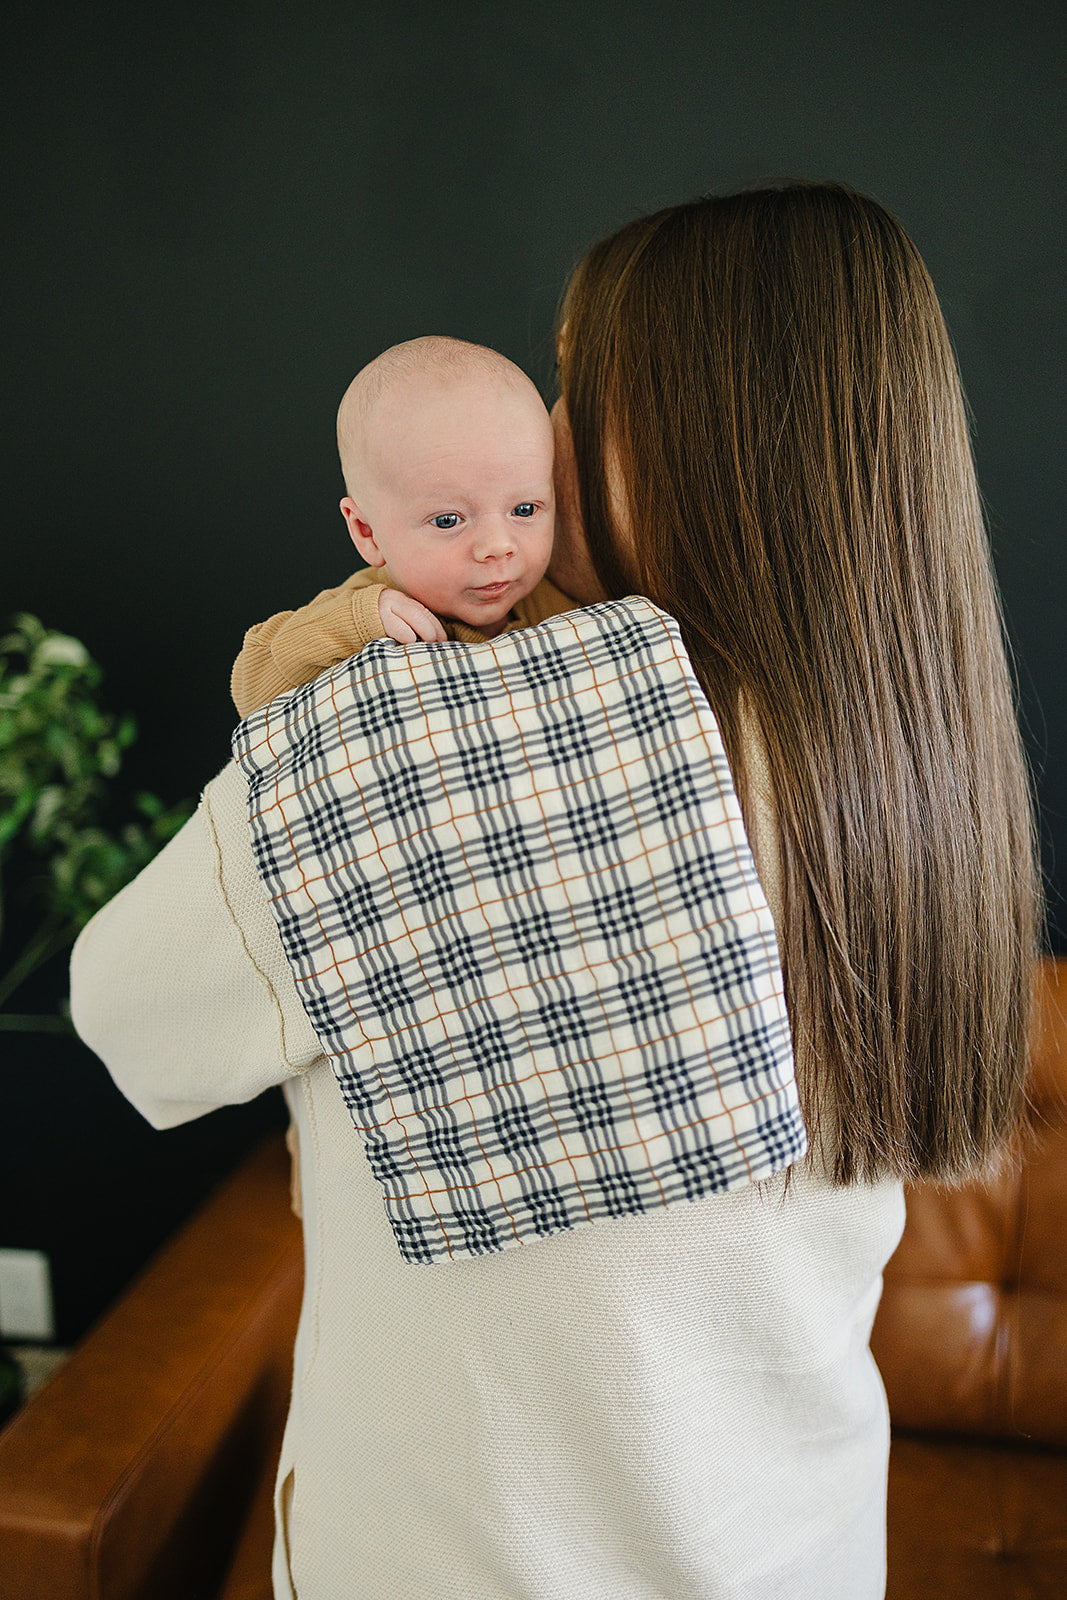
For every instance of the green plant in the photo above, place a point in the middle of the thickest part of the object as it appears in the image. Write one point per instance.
(60, 859)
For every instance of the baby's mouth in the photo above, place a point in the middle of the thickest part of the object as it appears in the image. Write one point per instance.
(489, 591)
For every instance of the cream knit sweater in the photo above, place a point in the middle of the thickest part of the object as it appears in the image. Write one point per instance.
(677, 1406)
(680, 1406)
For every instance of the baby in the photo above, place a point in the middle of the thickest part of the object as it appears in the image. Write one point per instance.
(446, 450)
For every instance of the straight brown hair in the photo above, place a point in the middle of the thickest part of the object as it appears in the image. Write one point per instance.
(766, 382)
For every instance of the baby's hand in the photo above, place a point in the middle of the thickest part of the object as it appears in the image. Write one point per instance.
(406, 620)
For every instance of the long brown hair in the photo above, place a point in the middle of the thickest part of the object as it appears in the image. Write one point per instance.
(770, 378)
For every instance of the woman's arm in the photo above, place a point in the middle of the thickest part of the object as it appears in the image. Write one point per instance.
(180, 984)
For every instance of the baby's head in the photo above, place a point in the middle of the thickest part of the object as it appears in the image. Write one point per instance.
(446, 449)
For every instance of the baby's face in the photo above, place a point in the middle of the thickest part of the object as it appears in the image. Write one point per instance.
(459, 495)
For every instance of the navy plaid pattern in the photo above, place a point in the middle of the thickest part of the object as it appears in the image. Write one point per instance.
(515, 890)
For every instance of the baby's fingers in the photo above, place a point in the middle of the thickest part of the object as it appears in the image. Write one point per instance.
(427, 627)
(407, 620)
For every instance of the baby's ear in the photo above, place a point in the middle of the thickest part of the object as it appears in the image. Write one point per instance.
(361, 533)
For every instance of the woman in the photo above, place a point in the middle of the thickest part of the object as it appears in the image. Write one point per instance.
(766, 436)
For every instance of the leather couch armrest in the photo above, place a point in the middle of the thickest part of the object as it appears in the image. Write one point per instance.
(130, 1474)
(971, 1334)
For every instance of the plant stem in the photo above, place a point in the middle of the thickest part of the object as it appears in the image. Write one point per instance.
(23, 1022)
(49, 941)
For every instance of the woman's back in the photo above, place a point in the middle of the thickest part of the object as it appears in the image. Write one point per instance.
(656, 1407)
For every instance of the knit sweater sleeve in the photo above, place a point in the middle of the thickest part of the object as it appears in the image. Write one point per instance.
(180, 983)
(293, 647)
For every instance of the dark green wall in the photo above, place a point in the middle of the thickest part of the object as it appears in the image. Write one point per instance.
(218, 213)
(222, 211)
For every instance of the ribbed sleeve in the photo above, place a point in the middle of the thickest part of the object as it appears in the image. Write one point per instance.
(293, 647)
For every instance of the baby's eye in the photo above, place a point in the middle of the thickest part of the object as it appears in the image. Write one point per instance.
(447, 520)
(525, 508)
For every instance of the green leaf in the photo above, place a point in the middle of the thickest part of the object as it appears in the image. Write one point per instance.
(59, 650)
(49, 804)
(59, 753)
(109, 757)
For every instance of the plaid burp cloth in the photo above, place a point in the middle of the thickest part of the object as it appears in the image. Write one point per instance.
(515, 890)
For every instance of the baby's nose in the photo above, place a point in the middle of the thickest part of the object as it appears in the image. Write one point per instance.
(495, 539)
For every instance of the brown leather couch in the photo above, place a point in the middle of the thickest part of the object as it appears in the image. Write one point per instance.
(971, 1338)
(143, 1471)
